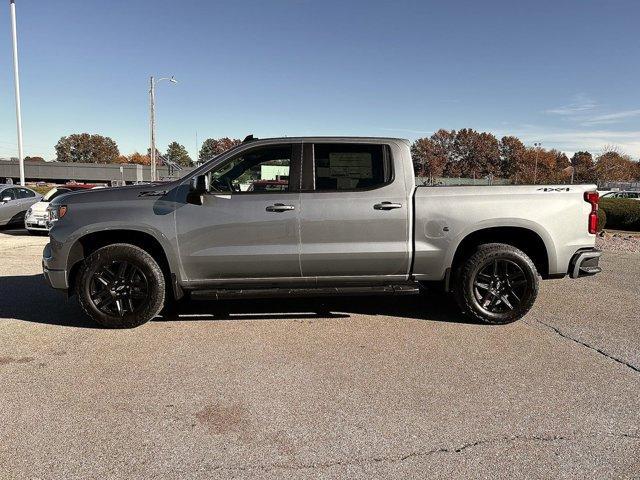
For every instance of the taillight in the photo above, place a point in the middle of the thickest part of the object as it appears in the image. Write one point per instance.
(592, 198)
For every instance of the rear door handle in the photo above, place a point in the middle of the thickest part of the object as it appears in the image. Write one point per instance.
(280, 207)
(387, 206)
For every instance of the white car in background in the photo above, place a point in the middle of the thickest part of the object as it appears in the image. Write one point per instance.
(35, 220)
(631, 195)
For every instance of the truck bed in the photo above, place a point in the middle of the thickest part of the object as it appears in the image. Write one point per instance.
(444, 216)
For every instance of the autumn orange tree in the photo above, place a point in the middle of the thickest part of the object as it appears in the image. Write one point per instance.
(134, 158)
(213, 147)
(471, 154)
(613, 166)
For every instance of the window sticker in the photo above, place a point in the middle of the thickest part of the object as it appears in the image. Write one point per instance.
(356, 165)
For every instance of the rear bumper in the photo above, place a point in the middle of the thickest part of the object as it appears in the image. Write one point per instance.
(584, 263)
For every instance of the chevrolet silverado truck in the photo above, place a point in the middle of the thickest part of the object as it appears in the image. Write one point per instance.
(346, 218)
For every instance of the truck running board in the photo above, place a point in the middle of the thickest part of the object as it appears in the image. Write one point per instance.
(304, 292)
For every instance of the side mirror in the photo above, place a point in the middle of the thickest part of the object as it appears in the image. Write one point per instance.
(6, 199)
(200, 185)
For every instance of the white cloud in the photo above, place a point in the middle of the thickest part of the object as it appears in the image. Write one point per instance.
(610, 117)
(584, 111)
(581, 103)
(575, 140)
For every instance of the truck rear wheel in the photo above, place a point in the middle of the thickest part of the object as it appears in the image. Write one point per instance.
(497, 284)
(120, 286)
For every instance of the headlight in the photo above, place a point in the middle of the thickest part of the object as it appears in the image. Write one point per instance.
(55, 213)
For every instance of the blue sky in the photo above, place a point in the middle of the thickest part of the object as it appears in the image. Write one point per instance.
(566, 73)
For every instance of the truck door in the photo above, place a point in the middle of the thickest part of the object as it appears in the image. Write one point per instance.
(355, 214)
(248, 224)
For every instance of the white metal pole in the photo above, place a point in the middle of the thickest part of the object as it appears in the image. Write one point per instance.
(152, 121)
(535, 171)
(16, 77)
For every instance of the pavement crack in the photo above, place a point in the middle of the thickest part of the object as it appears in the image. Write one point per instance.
(420, 453)
(591, 347)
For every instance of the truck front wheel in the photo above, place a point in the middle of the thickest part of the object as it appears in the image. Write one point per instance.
(120, 286)
(497, 284)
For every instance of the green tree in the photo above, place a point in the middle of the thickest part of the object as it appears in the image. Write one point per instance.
(86, 148)
(512, 157)
(178, 154)
(584, 168)
(213, 147)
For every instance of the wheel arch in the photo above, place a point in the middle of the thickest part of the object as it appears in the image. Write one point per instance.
(88, 243)
(537, 246)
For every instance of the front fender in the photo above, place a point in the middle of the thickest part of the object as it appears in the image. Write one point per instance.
(66, 248)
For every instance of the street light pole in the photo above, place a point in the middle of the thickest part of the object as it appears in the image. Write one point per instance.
(16, 78)
(152, 122)
(535, 170)
(152, 127)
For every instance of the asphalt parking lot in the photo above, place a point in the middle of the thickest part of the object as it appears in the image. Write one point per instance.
(333, 388)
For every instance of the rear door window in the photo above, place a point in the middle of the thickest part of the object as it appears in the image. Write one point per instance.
(351, 167)
(25, 193)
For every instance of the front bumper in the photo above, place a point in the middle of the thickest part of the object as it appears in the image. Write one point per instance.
(36, 222)
(54, 277)
(584, 263)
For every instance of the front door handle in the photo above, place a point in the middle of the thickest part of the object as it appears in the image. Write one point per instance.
(387, 206)
(280, 207)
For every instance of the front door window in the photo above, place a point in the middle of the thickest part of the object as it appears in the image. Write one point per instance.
(261, 170)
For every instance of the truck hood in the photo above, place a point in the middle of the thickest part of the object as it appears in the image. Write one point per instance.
(39, 208)
(115, 194)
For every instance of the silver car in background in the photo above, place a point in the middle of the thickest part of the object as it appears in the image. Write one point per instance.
(14, 202)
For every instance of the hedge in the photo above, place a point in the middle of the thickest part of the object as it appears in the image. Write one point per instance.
(621, 213)
(602, 219)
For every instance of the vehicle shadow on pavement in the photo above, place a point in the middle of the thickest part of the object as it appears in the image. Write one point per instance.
(28, 298)
(14, 230)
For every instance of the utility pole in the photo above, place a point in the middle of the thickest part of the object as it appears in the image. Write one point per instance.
(16, 78)
(152, 122)
(152, 127)
(535, 170)
(197, 151)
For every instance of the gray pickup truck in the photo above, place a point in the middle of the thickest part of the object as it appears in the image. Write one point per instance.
(315, 216)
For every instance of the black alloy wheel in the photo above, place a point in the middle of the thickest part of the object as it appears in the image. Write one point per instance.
(496, 284)
(500, 286)
(119, 288)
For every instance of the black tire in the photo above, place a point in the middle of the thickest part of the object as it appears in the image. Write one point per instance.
(497, 284)
(120, 286)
